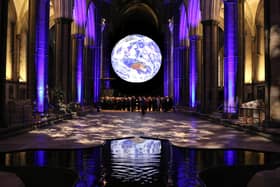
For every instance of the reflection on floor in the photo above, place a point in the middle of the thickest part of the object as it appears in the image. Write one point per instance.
(138, 163)
(92, 130)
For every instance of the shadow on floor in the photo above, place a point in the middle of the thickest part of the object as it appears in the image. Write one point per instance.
(231, 176)
(44, 176)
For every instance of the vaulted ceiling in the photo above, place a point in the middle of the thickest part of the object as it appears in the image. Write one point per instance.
(139, 16)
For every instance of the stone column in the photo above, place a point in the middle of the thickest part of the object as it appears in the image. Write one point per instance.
(183, 76)
(210, 66)
(38, 53)
(96, 74)
(3, 45)
(272, 62)
(77, 68)
(30, 52)
(168, 59)
(62, 56)
(105, 65)
(240, 80)
(259, 72)
(230, 56)
(88, 72)
(194, 71)
(63, 19)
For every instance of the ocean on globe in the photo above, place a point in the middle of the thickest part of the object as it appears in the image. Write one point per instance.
(136, 58)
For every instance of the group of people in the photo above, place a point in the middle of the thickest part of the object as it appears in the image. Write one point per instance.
(140, 103)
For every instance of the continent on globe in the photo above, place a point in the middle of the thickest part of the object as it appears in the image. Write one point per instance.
(136, 58)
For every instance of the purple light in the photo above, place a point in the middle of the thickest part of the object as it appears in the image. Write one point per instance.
(168, 61)
(183, 32)
(107, 84)
(90, 27)
(176, 74)
(40, 158)
(41, 53)
(185, 175)
(79, 79)
(166, 77)
(96, 70)
(193, 71)
(229, 157)
(194, 15)
(231, 56)
(79, 12)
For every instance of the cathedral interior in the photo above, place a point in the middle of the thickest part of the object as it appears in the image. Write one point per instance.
(61, 58)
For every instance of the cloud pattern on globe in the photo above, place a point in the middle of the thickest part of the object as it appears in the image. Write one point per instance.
(136, 58)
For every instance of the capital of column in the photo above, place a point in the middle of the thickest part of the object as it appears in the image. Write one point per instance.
(76, 29)
(89, 42)
(210, 22)
(78, 36)
(195, 37)
(258, 26)
(63, 20)
(230, 1)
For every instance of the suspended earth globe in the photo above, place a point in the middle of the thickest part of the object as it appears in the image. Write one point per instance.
(136, 58)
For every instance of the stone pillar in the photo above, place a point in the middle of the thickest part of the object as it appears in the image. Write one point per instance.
(88, 72)
(105, 64)
(3, 45)
(30, 51)
(210, 66)
(166, 64)
(259, 72)
(240, 80)
(96, 75)
(230, 56)
(38, 53)
(62, 56)
(180, 76)
(183, 76)
(194, 71)
(63, 19)
(77, 68)
(272, 61)
(168, 59)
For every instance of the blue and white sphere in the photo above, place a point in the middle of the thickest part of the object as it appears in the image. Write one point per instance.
(136, 58)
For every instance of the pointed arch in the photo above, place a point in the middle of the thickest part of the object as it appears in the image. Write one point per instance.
(90, 25)
(183, 29)
(80, 12)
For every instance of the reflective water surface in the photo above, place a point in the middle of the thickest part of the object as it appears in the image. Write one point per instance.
(137, 162)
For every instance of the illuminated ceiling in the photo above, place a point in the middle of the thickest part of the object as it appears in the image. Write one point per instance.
(250, 8)
(21, 7)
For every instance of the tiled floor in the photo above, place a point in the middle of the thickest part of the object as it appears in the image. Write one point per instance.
(180, 129)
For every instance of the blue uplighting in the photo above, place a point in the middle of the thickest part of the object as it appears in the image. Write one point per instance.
(230, 157)
(89, 172)
(79, 73)
(96, 70)
(183, 32)
(193, 70)
(39, 158)
(185, 167)
(90, 26)
(176, 79)
(194, 14)
(41, 53)
(80, 12)
(231, 56)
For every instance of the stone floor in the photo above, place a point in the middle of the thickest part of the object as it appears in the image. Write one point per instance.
(179, 128)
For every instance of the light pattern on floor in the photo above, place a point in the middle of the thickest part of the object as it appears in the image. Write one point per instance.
(180, 129)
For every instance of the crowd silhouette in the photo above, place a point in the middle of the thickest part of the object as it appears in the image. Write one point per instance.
(137, 103)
